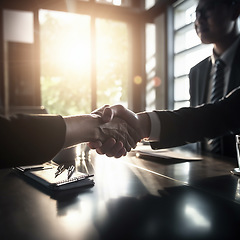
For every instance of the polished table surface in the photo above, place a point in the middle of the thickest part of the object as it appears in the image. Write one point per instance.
(133, 198)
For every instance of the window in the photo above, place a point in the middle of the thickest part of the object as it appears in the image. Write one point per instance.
(124, 3)
(188, 50)
(112, 62)
(65, 62)
(152, 81)
(149, 4)
(70, 54)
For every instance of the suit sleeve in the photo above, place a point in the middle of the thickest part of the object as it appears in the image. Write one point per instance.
(188, 125)
(30, 139)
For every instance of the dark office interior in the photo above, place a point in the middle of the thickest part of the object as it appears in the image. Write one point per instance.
(70, 57)
(21, 61)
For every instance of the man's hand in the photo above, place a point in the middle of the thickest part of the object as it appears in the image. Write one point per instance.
(111, 147)
(118, 129)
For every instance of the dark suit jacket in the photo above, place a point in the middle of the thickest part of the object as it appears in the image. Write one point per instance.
(188, 125)
(30, 139)
(199, 80)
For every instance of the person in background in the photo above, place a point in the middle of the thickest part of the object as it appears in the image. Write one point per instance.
(216, 23)
(35, 139)
(165, 129)
(216, 76)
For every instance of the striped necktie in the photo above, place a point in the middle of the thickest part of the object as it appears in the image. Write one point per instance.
(218, 81)
(216, 95)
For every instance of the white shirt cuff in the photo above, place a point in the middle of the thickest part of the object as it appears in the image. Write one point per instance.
(155, 127)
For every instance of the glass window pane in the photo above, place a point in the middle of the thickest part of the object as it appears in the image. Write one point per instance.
(112, 62)
(65, 62)
(115, 2)
(178, 105)
(149, 4)
(181, 89)
(184, 61)
(187, 48)
(184, 13)
(186, 39)
(150, 67)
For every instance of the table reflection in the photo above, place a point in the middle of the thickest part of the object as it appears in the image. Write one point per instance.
(237, 195)
(132, 199)
(182, 213)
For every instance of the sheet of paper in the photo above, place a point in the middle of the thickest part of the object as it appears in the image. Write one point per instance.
(172, 153)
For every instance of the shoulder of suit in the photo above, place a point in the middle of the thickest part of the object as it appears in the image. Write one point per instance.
(202, 63)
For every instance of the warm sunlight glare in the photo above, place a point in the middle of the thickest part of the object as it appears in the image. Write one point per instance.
(71, 48)
(74, 54)
(66, 55)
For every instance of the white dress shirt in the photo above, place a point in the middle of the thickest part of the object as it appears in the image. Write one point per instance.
(227, 57)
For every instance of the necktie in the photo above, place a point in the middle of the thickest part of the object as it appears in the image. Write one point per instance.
(218, 81)
(217, 94)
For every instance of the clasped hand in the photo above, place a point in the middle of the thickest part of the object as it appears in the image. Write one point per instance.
(123, 127)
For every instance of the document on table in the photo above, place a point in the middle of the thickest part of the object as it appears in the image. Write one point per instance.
(171, 153)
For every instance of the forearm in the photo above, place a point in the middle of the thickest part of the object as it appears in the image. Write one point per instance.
(30, 139)
(81, 128)
(188, 125)
(90, 128)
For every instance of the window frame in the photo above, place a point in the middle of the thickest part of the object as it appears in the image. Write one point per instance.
(131, 15)
(182, 54)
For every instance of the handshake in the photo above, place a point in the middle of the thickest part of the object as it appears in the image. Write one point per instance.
(120, 130)
(114, 130)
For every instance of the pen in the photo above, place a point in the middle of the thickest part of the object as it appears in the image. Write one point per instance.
(70, 171)
(60, 169)
(34, 168)
(40, 168)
